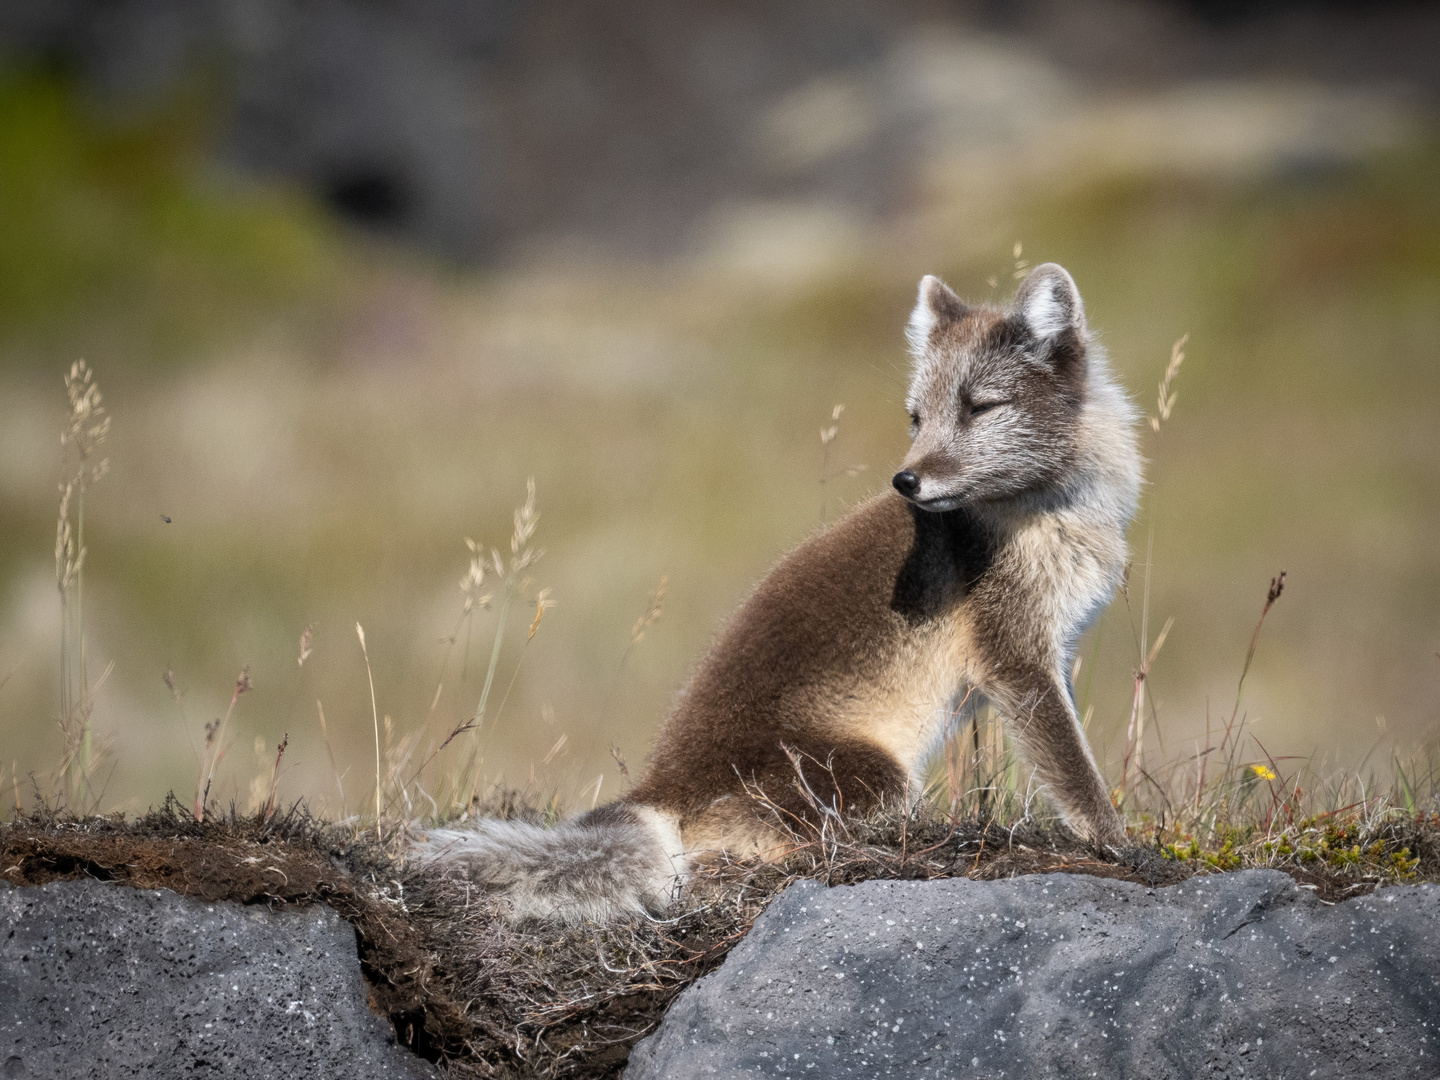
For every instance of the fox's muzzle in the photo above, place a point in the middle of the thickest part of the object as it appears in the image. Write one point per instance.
(917, 481)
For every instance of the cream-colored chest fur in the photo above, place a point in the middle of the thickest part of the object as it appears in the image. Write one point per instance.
(1066, 564)
(1060, 568)
(908, 710)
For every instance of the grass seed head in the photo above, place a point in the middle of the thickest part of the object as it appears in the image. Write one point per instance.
(543, 603)
(1166, 399)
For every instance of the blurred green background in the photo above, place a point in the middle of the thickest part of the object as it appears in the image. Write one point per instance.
(346, 283)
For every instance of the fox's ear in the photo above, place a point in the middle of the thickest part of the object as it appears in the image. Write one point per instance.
(936, 305)
(1049, 302)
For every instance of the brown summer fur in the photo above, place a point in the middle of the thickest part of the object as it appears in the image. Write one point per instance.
(826, 650)
(849, 663)
(842, 664)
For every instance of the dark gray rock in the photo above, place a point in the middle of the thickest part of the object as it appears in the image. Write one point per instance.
(1234, 975)
(100, 980)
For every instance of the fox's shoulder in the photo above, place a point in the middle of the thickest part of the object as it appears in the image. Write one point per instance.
(884, 557)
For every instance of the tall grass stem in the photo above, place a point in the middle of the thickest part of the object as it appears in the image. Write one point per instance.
(375, 719)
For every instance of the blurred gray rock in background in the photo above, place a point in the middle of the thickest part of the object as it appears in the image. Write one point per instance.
(100, 980)
(1241, 974)
(383, 110)
(471, 126)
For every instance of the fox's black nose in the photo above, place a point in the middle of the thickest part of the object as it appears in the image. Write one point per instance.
(906, 483)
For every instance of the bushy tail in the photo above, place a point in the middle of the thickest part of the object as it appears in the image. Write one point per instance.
(619, 859)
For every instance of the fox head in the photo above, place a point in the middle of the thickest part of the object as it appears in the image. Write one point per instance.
(995, 396)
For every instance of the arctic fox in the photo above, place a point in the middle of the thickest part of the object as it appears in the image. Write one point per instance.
(1002, 541)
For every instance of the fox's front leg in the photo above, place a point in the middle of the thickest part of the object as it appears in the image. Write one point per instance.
(1042, 720)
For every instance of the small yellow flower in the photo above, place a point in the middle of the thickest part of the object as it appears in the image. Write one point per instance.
(1262, 772)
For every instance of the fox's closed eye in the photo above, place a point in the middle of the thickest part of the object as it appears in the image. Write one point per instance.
(979, 407)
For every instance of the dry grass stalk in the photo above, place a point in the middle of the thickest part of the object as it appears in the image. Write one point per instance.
(522, 555)
(86, 429)
(268, 810)
(543, 603)
(168, 678)
(652, 613)
(330, 753)
(1144, 651)
(827, 436)
(654, 608)
(1144, 658)
(1277, 586)
(513, 586)
(620, 762)
(473, 599)
(1166, 399)
(398, 753)
(375, 719)
(1135, 733)
(215, 745)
